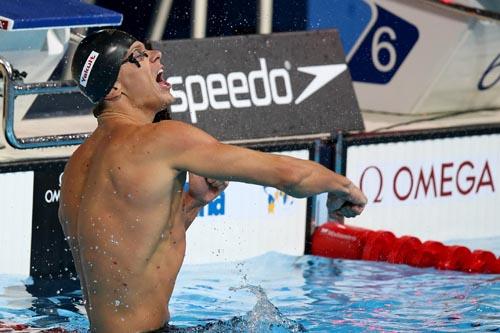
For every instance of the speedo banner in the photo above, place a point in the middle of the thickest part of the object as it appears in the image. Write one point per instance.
(262, 86)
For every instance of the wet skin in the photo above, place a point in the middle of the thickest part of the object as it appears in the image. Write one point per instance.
(126, 229)
(123, 209)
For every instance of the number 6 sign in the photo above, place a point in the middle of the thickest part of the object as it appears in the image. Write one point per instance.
(384, 48)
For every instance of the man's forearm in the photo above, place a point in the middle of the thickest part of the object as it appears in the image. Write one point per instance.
(306, 178)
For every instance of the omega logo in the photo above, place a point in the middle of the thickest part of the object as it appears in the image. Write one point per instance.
(447, 179)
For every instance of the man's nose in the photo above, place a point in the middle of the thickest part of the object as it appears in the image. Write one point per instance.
(154, 55)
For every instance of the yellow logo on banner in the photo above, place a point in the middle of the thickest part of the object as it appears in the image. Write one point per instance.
(275, 197)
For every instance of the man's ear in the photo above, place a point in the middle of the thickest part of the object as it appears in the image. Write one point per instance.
(115, 92)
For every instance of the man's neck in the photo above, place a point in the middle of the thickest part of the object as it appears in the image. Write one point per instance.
(125, 111)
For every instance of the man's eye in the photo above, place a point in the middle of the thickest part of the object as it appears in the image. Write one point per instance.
(139, 56)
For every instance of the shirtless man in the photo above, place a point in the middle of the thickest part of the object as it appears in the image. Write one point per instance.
(122, 207)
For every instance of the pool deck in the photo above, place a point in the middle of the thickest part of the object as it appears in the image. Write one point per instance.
(380, 122)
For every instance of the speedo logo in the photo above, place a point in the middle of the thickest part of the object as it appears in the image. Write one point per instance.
(239, 90)
(87, 68)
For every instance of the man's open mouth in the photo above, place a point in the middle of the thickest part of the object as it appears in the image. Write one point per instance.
(161, 81)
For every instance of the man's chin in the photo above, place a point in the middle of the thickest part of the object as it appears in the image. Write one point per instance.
(168, 99)
(166, 102)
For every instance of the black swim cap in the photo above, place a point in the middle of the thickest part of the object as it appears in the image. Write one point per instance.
(97, 61)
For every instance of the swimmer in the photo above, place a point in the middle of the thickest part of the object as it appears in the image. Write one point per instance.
(122, 207)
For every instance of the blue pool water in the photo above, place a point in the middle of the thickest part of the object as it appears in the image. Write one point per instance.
(279, 293)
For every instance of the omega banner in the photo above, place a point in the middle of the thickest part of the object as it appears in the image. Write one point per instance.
(262, 86)
(441, 189)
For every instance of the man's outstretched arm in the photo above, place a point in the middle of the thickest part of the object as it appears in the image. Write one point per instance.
(195, 151)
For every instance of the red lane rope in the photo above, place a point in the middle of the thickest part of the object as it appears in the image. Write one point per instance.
(336, 240)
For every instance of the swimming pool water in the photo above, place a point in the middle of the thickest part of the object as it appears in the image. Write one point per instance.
(279, 293)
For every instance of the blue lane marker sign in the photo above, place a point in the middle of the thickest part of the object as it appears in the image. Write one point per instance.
(384, 48)
(376, 40)
(349, 17)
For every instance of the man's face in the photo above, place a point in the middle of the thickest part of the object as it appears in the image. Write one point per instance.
(141, 77)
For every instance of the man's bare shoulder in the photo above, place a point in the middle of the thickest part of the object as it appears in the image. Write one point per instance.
(177, 134)
(173, 127)
(81, 154)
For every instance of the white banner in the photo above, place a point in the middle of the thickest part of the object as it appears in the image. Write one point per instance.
(440, 189)
(247, 221)
(402, 63)
(16, 202)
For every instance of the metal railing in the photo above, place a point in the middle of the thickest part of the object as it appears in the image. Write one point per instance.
(13, 88)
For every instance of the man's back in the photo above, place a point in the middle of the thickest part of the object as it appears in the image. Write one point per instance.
(119, 210)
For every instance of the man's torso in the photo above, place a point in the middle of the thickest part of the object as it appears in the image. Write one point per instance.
(120, 211)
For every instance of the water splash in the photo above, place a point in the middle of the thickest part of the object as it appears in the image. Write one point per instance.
(264, 317)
